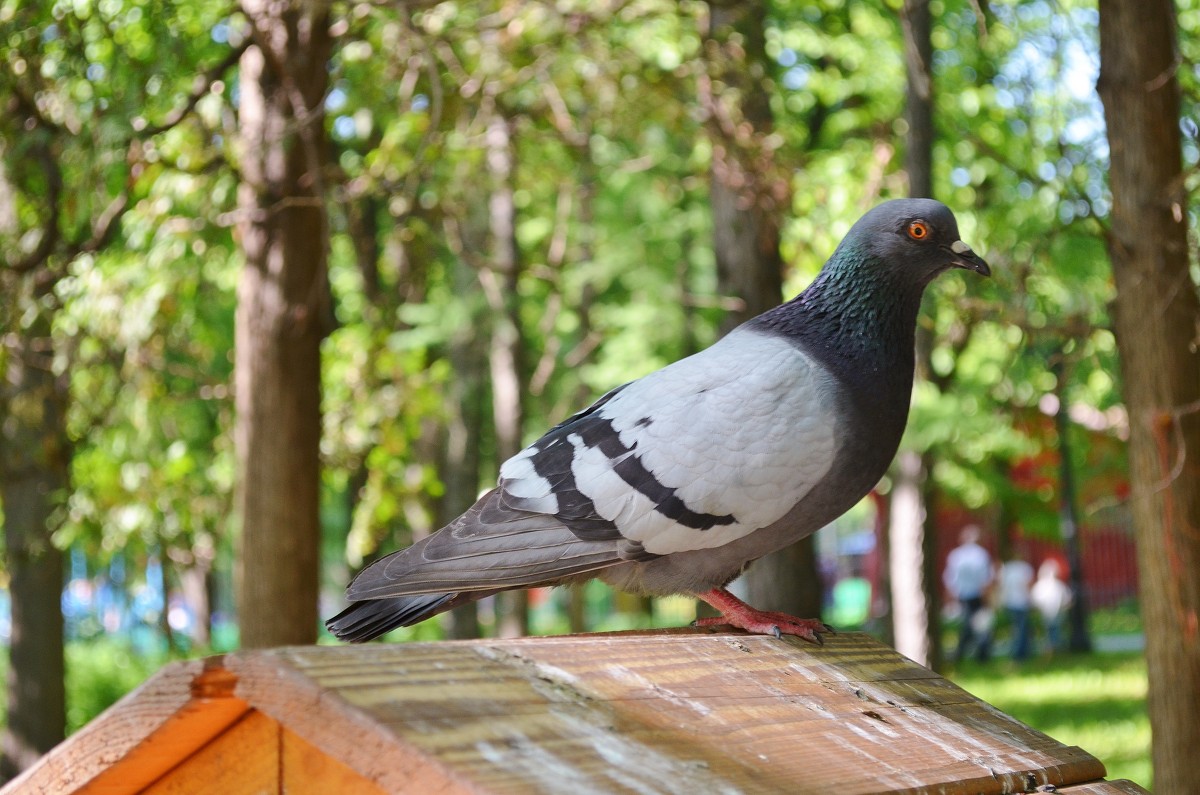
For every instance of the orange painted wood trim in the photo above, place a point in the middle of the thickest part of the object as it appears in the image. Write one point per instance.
(242, 760)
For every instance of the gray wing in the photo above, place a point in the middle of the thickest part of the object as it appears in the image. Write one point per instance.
(491, 546)
(507, 541)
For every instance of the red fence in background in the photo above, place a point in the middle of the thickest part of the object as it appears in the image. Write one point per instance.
(1106, 542)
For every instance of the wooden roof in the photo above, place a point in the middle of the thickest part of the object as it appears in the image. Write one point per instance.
(683, 711)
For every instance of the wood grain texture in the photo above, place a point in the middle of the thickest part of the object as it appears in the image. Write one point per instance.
(308, 771)
(690, 712)
(682, 711)
(335, 727)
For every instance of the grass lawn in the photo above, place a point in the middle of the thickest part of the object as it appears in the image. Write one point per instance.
(1094, 701)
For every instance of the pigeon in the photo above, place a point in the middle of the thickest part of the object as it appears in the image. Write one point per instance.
(676, 482)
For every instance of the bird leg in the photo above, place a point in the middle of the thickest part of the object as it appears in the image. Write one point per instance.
(736, 613)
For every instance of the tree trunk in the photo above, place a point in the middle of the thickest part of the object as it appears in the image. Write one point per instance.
(1156, 311)
(1068, 521)
(462, 462)
(747, 193)
(918, 104)
(193, 583)
(745, 189)
(576, 595)
(879, 570)
(506, 354)
(782, 581)
(34, 474)
(283, 314)
(931, 578)
(906, 559)
(916, 625)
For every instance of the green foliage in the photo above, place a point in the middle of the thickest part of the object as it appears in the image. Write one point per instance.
(1021, 157)
(100, 672)
(613, 141)
(114, 243)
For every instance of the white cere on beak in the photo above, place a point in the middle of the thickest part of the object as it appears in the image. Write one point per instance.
(959, 247)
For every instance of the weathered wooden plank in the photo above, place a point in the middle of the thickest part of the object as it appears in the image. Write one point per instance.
(693, 711)
(503, 729)
(861, 702)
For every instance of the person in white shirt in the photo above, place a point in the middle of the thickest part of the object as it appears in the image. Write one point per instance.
(1013, 583)
(967, 577)
(1051, 596)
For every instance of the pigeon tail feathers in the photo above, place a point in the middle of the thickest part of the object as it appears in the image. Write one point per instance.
(367, 620)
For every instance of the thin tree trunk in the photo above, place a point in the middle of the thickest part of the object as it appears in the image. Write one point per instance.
(462, 461)
(505, 357)
(918, 104)
(34, 474)
(747, 195)
(576, 595)
(1006, 520)
(746, 192)
(283, 314)
(164, 611)
(1068, 522)
(880, 570)
(931, 579)
(193, 582)
(906, 559)
(1155, 313)
(782, 581)
(916, 625)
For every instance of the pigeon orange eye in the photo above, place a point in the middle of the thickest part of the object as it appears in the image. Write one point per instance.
(918, 230)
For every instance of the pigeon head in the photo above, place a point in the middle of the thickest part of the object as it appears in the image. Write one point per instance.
(910, 239)
(860, 313)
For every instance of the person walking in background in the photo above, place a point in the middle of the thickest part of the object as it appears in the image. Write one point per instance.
(1014, 582)
(967, 577)
(1051, 596)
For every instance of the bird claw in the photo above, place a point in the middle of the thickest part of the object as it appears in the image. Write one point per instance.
(775, 624)
(736, 613)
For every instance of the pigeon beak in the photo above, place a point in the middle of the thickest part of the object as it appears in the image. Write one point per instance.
(963, 257)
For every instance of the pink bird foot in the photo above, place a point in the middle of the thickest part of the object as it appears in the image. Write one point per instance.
(736, 613)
